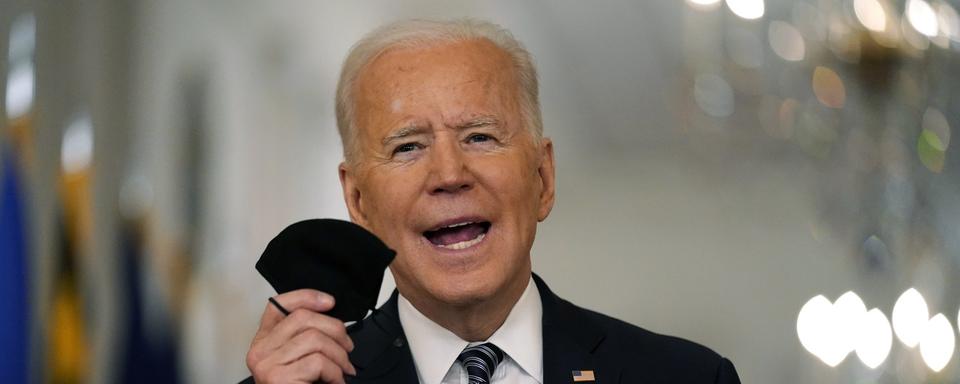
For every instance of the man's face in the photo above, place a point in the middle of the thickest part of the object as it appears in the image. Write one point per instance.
(446, 172)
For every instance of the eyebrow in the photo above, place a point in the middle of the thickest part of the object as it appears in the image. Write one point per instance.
(478, 122)
(414, 130)
(404, 132)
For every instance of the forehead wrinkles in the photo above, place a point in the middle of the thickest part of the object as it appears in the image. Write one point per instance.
(403, 89)
(457, 62)
(400, 78)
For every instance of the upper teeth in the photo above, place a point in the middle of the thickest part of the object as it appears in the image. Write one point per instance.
(459, 224)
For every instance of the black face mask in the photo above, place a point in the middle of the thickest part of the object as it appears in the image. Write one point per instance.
(332, 256)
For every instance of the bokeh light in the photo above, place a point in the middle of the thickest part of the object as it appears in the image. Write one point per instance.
(20, 88)
(830, 331)
(871, 14)
(136, 196)
(937, 343)
(936, 123)
(813, 322)
(922, 17)
(786, 41)
(849, 312)
(714, 95)
(915, 39)
(747, 9)
(910, 314)
(828, 87)
(933, 140)
(931, 151)
(77, 148)
(21, 81)
(704, 4)
(786, 116)
(875, 339)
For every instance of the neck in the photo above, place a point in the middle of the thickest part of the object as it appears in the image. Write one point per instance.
(478, 320)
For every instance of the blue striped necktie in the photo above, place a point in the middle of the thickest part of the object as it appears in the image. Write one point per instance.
(480, 361)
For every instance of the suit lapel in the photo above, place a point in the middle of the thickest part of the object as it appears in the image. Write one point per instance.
(380, 353)
(569, 340)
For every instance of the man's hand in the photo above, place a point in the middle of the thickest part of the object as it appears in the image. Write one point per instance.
(305, 346)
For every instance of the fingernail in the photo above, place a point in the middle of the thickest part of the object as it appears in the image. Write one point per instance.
(353, 370)
(325, 299)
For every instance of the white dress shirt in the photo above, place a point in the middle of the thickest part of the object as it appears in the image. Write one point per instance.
(435, 349)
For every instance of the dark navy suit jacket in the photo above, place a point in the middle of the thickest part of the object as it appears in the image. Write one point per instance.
(574, 339)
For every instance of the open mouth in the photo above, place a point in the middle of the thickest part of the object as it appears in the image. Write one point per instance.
(458, 236)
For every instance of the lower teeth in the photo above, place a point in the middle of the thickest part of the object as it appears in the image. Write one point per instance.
(464, 244)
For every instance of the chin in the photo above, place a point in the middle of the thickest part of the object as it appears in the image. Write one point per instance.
(463, 287)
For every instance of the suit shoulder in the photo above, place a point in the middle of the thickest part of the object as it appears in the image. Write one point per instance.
(624, 334)
(661, 356)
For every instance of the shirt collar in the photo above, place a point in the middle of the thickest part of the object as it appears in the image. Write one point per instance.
(521, 335)
(435, 348)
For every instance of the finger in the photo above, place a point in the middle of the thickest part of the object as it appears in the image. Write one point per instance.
(309, 342)
(315, 367)
(300, 321)
(309, 299)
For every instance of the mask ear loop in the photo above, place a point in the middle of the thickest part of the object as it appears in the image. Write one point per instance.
(279, 307)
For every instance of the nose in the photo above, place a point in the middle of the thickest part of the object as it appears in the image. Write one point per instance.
(449, 172)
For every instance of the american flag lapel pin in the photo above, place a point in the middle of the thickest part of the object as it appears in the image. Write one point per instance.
(583, 376)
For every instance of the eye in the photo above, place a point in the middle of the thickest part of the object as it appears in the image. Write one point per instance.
(406, 147)
(479, 138)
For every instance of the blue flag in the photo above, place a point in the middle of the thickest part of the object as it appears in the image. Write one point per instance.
(13, 274)
(147, 360)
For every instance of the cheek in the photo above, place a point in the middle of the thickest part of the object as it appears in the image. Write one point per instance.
(515, 187)
(389, 203)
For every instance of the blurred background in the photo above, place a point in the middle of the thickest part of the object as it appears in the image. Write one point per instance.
(774, 179)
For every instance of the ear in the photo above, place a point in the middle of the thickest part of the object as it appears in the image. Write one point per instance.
(351, 194)
(547, 174)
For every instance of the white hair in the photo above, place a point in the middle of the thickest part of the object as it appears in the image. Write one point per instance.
(424, 33)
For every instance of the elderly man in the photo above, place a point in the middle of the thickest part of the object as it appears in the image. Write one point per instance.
(445, 161)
